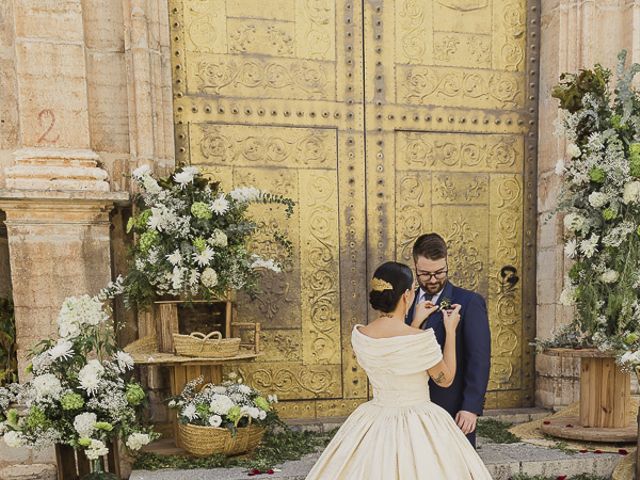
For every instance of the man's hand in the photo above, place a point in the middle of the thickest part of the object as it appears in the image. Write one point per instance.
(467, 421)
(422, 312)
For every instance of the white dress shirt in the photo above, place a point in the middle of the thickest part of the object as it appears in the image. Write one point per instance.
(423, 296)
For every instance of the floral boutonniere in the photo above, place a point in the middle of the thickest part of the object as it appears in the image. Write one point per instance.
(445, 304)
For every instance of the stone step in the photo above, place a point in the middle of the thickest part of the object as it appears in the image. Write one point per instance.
(37, 471)
(503, 461)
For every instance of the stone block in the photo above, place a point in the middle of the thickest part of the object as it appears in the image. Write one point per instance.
(29, 472)
(51, 20)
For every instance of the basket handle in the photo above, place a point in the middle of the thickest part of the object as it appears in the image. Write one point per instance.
(204, 338)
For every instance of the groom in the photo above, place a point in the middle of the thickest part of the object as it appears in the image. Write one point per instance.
(464, 399)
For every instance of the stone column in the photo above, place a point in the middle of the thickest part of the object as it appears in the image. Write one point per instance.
(57, 197)
(575, 34)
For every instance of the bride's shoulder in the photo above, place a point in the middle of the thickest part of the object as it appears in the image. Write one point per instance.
(379, 330)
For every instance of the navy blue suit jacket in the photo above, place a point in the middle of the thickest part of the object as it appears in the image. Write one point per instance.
(473, 352)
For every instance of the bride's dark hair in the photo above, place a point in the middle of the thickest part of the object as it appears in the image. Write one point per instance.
(390, 281)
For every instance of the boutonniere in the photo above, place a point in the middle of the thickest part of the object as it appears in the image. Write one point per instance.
(445, 304)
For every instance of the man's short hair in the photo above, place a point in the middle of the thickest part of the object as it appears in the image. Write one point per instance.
(431, 246)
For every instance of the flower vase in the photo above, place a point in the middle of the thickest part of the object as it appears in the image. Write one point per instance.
(98, 473)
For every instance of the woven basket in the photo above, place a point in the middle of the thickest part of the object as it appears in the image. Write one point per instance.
(205, 441)
(211, 346)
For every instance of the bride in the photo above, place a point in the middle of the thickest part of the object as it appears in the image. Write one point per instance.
(400, 434)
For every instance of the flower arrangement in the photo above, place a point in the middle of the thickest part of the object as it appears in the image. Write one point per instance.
(600, 199)
(230, 405)
(193, 239)
(80, 393)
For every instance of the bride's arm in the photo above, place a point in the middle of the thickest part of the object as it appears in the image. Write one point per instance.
(444, 371)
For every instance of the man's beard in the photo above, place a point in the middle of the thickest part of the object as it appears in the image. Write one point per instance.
(433, 288)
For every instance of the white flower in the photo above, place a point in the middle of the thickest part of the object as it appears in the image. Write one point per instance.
(172, 404)
(90, 376)
(272, 398)
(574, 222)
(151, 185)
(560, 167)
(185, 176)
(571, 248)
(41, 361)
(209, 277)
(85, 424)
(79, 311)
(589, 246)
(245, 194)
(138, 440)
(124, 360)
(13, 439)
(220, 404)
(219, 390)
(218, 239)
(63, 349)
(47, 385)
(598, 199)
(266, 264)
(203, 258)
(96, 449)
(190, 412)
(177, 277)
(220, 205)
(141, 172)
(573, 150)
(568, 296)
(610, 276)
(252, 412)
(631, 192)
(262, 415)
(175, 258)
(215, 420)
(244, 389)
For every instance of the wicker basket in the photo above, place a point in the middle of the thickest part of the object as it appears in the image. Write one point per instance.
(211, 346)
(205, 441)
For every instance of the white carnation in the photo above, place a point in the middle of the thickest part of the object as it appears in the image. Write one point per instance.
(215, 420)
(96, 449)
(598, 199)
(85, 424)
(631, 192)
(573, 150)
(209, 277)
(610, 276)
(138, 440)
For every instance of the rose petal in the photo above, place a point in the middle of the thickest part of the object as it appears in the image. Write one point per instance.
(622, 451)
(597, 451)
(569, 425)
(547, 422)
(583, 451)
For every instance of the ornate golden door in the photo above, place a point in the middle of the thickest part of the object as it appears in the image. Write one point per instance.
(383, 120)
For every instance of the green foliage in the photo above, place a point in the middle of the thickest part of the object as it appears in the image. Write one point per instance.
(8, 360)
(496, 431)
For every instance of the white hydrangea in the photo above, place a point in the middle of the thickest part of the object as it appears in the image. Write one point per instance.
(90, 376)
(85, 424)
(218, 239)
(220, 205)
(186, 176)
(215, 420)
(138, 440)
(568, 296)
(209, 277)
(574, 222)
(151, 185)
(245, 194)
(96, 449)
(244, 389)
(79, 311)
(573, 150)
(47, 385)
(13, 439)
(220, 404)
(610, 276)
(598, 199)
(631, 192)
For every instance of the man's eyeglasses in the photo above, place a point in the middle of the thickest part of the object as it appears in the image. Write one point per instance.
(439, 275)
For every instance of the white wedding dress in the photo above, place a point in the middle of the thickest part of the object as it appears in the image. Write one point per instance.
(400, 434)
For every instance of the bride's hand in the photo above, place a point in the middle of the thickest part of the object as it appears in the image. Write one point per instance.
(451, 317)
(422, 312)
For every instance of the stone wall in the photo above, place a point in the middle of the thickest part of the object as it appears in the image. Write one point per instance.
(574, 35)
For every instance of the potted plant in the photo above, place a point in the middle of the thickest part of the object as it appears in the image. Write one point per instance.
(81, 393)
(228, 419)
(600, 200)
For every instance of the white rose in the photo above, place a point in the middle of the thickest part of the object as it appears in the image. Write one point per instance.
(215, 420)
(138, 440)
(598, 199)
(631, 192)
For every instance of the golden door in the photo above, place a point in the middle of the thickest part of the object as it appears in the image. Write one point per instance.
(383, 120)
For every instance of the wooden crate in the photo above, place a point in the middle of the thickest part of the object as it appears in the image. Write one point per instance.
(73, 464)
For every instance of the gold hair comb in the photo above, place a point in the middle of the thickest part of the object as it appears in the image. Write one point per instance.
(379, 285)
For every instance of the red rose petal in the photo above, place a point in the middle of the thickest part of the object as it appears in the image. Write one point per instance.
(561, 477)
(270, 472)
(597, 451)
(622, 451)
(583, 451)
(569, 425)
(547, 422)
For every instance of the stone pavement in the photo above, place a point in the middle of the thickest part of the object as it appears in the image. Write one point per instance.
(503, 461)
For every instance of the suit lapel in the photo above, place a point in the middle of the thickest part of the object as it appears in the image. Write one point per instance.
(436, 317)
